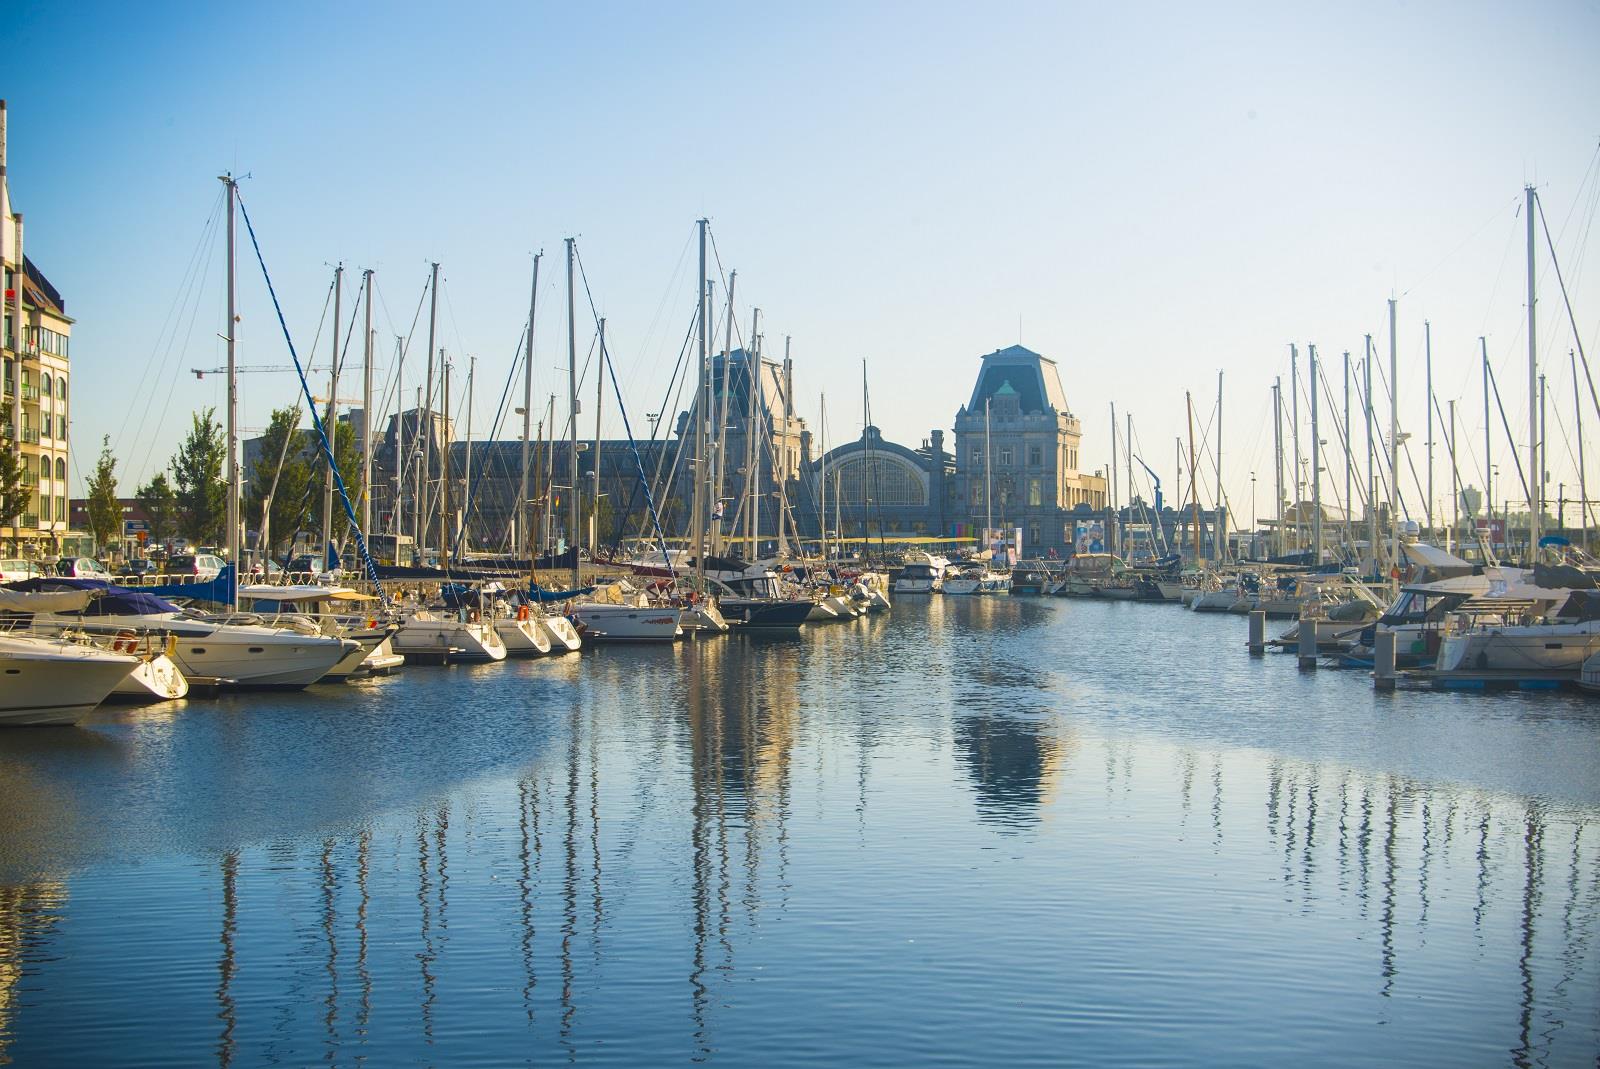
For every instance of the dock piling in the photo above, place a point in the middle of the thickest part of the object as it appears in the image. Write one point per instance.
(1383, 662)
(1308, 644)
(1258, 632)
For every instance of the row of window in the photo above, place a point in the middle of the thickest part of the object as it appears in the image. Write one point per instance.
(49, 341)
(45, 512)
(47, 422)
(60, 467)
(44, 385)
(1004, 455)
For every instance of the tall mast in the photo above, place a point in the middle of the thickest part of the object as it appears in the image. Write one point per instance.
(822, 479)
(1394, 443)
(1194, 484)
(1112, 541)
(697, 518)
(1583, 479)
(1535, 470)
(1427, 343)
(1219, 532)
(753, 382)
(988, 504)
(1488, 449)
(1277, 459)
(572, 422)
(396, 526)
(1127, 442)
(1349, 503)
(725, 402)
(447, 520)
(1296, 478)
(1372, 478)
(1316, 460)
(523, 523)
(1544, 476)
(425, 423)
(465, 539)
(366, 408)
(599, 400)
(329, 420)
(417, 520)
(1455, 484)
(233, 396)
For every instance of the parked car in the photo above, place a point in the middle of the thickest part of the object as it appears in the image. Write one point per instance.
(81, 568)
(14, 570)
(139, 566)
(200, 565)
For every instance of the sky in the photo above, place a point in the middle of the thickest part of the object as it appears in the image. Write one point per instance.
(1148, 194)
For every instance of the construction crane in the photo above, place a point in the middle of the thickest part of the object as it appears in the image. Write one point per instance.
(202, 372)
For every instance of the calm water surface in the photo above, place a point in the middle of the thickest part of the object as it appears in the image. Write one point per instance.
(980, 831)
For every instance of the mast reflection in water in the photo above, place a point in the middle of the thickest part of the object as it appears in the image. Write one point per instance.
(975, 832)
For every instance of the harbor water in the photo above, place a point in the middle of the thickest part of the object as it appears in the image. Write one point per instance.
(973, 831)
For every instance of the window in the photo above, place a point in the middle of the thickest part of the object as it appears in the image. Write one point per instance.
(977, 455)
(45, 386)
(1035, 456)
(1035, 494)
(44, 508)
(61, 424)
(1005, 456)
(44, 467)
(61, 468)
(61, 507)
(61, 387)
(1033, 534)
(977, 494)
(890, 482)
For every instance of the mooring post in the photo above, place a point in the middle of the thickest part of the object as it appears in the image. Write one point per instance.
(1383, 664)
(1308, 642)
(1258, 632)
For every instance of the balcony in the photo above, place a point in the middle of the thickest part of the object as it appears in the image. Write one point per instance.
(10, 388)
(30, 392)
(30, 477)
(30, 350)
(30, 520)
(30, 435)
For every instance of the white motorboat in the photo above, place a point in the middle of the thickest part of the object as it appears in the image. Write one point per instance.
(1534, 648)
(315, 609)
(250, 655)
(619, 613)
(438, 638)
(55, 681)
(924, 576)
(977, 579)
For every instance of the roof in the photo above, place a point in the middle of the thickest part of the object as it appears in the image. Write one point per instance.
(1034, 380)
(37, 290)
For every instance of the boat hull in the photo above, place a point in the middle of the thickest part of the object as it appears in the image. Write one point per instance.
(46, 684)
(429, 641)
(522, 637)
(602, 622)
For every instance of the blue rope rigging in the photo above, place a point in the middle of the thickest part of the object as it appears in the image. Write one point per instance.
(316, 421)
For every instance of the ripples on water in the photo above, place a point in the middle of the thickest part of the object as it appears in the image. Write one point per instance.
(992, 832)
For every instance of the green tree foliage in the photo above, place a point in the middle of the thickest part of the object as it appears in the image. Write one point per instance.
(349, 460)
(280, 490)
(14, 493)
(105, 511)
(202, 490)
(160, 505)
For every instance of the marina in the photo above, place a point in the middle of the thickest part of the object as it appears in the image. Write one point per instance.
(755, 849)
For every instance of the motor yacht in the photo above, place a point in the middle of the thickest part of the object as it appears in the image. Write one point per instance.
(54, 681)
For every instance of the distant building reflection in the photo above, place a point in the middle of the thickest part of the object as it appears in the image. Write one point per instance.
(1015, 765)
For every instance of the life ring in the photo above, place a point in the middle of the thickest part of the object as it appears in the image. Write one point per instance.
(125, 642)
(522, 612)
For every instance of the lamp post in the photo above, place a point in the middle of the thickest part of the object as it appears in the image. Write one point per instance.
(1252, 514)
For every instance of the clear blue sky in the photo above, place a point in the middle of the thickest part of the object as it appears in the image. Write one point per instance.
(1148, 194)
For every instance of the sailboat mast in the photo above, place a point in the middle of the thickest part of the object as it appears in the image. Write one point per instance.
(1194, 485)
(1583, 478)
(1296, 476)
(1372, 479)
(1220, 528)
(1535, 470)
(233, 396)
(572, 422)
(1349, 503)
(425, 424)
(466, 491)
(697, 516)
(723, 407)
(1394, 444)
(1427, 348)
(1488, 448)
(1455, 484)
(447, 521)
(1316, 460)
(396, 524)
(822, 473)
(524, 510)
(366, 407)
(329, 419)
(1277, 458)
(1111, 516)
(988, 504)
(599, 401)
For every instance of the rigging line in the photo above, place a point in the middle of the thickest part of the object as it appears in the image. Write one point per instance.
(670, 403)
(1453, 253)
(394, 376)
(173, 310)
(1516, 457)
(469, 506)
(622, 407)
(327, 447)
(1571, 318)
(193, 305)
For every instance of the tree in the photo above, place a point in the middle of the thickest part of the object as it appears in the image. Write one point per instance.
(349, 460)
(105, 511)
(202, 491)
(14, 493)
(160, 504)
(277, 493)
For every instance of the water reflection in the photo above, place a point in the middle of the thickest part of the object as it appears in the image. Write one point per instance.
(630, 878)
